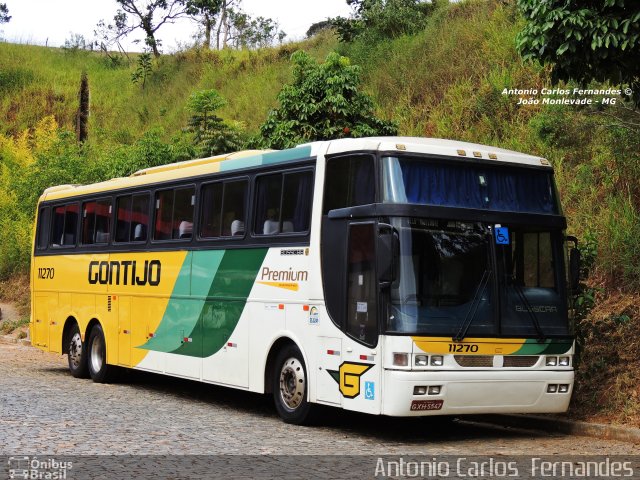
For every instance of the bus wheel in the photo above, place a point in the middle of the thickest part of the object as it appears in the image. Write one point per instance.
(97, 356)
(76, 354)
(290, 387)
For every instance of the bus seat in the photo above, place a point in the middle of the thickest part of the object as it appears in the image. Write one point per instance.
(270, 227)
(287, 226)
(185, 230)
(139, 233)
(237, 227)
(102, 237)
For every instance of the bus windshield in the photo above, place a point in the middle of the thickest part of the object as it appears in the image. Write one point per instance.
(453, 280)
(478, 186)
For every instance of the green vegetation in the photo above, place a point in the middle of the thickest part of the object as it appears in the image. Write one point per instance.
(322, 102)
(584, 41)
(211, 134)
(4, 13)
(444, 79)
(8, 327)
(373, 20)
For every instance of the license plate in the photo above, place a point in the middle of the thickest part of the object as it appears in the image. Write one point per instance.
(421, 405)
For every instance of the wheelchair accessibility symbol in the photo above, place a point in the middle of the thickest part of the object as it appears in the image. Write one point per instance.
(369, 390)
(502, 235)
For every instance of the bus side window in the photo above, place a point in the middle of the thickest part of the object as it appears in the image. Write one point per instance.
(96, 222)
(65, 225)
(233, 209)
(211, 209)
(350, 182)
(43, 228)
(132, 218)
(283, 203)
(174, 214)
(139, 218)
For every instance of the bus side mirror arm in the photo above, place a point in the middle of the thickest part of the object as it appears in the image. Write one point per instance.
(574, 265)
(387, 254)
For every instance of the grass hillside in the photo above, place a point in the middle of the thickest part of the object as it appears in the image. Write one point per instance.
(36, 82)
(445, 81)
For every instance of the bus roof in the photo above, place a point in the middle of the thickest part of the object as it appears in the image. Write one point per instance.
(437, 146)
(253, 158)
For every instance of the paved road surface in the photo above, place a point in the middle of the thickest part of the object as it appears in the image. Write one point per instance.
(45, 411)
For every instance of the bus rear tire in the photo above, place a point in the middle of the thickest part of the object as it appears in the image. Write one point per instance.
(76, 354)
(99, 371)
(290, 387)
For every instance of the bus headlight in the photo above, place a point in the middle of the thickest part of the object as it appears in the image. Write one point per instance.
(552, 361)
(436, 360)
(422, 360)
(563, 388)
(564, 361)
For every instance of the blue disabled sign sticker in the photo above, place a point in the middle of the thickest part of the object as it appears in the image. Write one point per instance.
(502, 235)
(369, 390)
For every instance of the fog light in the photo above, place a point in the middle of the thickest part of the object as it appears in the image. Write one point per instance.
(552, 361)
(400, 359)
(422, 360)
(564, 361)
(563, 388)
(419, 390)
(552, 388)
(436, 360)
(434, 390)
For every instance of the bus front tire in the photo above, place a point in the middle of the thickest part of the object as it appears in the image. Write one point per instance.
(99, 371)
(290, 387)
(76, 354)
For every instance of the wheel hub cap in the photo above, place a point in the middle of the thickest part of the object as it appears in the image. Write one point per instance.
(75, 350)
(292, 383)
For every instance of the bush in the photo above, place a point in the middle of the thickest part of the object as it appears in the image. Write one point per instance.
(323, 102)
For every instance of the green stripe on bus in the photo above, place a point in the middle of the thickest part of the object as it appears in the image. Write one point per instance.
(181, 315)
(270, 158)
(228, 295)
(291, 154)
(549, 347)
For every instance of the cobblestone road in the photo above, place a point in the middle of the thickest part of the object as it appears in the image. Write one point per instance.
(45, 411)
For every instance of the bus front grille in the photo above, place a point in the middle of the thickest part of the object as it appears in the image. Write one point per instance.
(474, 360)
(520, 361)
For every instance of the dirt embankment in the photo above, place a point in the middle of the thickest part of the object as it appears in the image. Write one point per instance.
(8, 313)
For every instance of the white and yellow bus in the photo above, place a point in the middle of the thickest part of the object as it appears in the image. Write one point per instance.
(395, 276)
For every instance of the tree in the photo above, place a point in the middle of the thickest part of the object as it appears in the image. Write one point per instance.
(247, 32)
(4, 13)
(82, 119)
(318, 27)
(239, 30)
(584, 40)
(322, 103)
(148, 16)
(377, 19)
(144, 69)
(212, 134)
(205, 12)
(76, 42)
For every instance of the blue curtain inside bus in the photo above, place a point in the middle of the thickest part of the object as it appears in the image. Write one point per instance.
(469, 186)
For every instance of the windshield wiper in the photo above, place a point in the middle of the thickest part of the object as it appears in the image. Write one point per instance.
(532, 314)
(473, 308)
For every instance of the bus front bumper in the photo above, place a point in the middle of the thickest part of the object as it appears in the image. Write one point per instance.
(478, 391)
